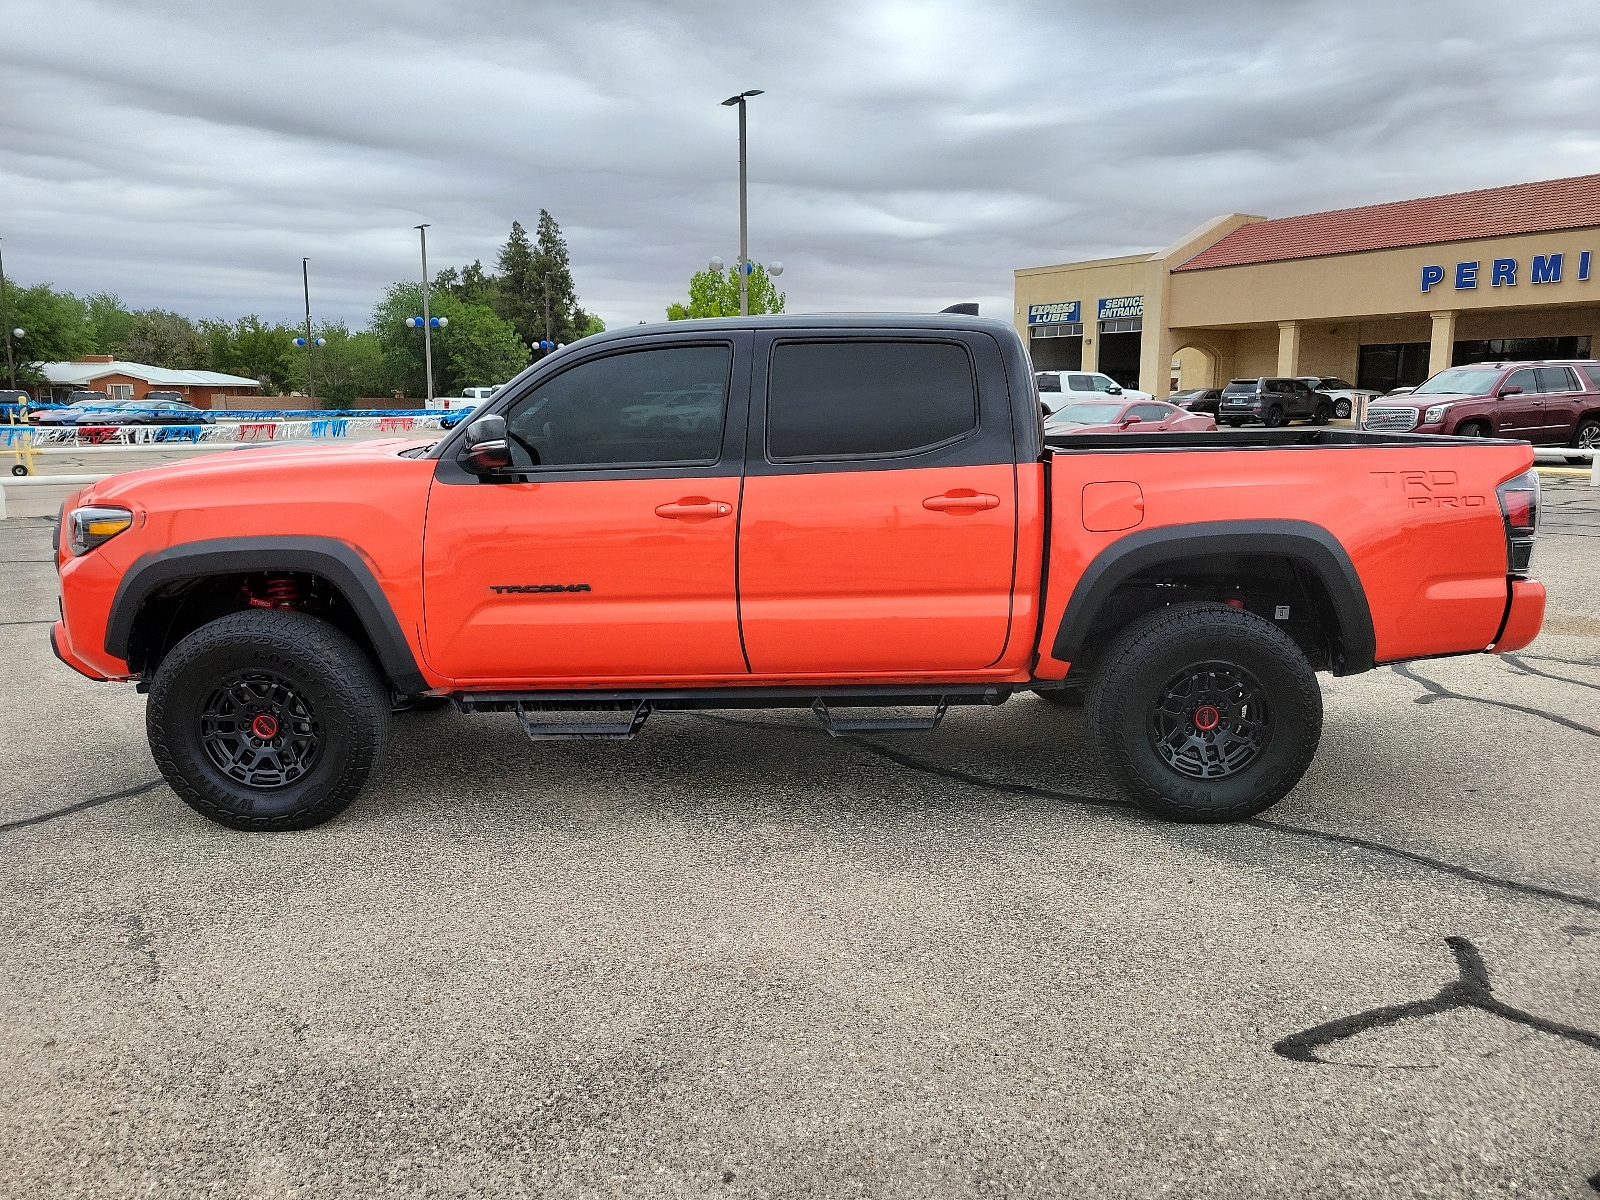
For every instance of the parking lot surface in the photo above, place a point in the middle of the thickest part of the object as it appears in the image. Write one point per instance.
(736, 957)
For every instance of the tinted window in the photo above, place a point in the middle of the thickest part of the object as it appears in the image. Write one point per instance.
(1556, 379)
(1080, 383)
(1240, 387)
(1150, 412)
(1524, 379)
(1594, 374)
(850, 399)
(649, 406)
(1049, 383)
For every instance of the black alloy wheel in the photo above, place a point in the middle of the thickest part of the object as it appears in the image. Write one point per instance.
(1204, 712)
(1323, 414)
(1276, 418)
(267, 719)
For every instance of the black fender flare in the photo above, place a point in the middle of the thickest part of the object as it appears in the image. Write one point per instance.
(1305, 542)
(336, 561)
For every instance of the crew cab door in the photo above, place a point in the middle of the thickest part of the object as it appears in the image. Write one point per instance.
(610, 553)
(880, 517)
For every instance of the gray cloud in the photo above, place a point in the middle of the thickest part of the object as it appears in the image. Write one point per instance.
(907, 153)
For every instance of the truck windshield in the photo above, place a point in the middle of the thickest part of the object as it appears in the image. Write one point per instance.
(1461, 381)
(1086, 414)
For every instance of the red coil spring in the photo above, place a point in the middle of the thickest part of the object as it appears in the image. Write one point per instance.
(282, 591)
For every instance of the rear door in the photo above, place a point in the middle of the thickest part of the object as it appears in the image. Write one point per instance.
(612, 554)
(878, 534)
(1562, 395)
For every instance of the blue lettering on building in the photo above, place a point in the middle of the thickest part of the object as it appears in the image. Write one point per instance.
(1466, 275)
(1546, 269)
(1505, 273)
(1430, 276)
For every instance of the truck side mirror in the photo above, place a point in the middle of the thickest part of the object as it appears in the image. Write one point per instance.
(1113, 390)
(486, 450)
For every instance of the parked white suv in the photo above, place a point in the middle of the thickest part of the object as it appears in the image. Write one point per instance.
(1341, 393)
(1067, 387)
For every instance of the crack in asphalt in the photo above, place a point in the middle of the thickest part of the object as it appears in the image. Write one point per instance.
(1437, 692)
(125, 794)
(1517, 662)
(46, 621)
(1022, 789)
(1470, 989)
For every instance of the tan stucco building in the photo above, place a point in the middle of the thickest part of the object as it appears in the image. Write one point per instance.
(1382, 295)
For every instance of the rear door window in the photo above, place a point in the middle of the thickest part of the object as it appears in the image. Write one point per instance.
(1593, 372)
(1080, 383)
(851, 400)
(1556, 379)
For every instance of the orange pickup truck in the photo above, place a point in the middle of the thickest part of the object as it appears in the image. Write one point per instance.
(842, 513)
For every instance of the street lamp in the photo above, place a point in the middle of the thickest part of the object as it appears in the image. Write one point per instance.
(308, 341)
(744, 211)
(427, 323)
(11, 362)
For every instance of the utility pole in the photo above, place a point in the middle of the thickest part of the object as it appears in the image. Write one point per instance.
(744, 210)
(548, 335)
(311, 356)
(427, 332)
(5, 316)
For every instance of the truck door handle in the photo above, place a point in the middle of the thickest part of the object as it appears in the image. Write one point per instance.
(961, 500)
(694, 508)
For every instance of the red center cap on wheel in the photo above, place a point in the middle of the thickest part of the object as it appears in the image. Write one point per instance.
(265, 726)
(1206, 718)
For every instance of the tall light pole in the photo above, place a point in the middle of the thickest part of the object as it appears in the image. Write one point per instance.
(5, 319)
(744, 210)
(427, 325)
(309, 342)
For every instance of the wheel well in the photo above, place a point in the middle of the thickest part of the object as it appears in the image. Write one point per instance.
(1262, 584)
(175, 610)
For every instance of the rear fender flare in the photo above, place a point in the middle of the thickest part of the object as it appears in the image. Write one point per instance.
(1308, 544)
(336, 561)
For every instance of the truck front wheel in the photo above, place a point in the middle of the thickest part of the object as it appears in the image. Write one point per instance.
(1203, 712)
(267, 720)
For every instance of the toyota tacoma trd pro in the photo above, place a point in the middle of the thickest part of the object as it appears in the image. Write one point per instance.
(849, 514)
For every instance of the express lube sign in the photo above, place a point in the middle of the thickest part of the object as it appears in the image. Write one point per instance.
(1065, 312)
(1507, 272)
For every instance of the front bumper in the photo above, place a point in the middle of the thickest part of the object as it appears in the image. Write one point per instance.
(1524, 616)
(61, 645)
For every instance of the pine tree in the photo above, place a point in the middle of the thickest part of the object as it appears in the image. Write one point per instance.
(519, 298)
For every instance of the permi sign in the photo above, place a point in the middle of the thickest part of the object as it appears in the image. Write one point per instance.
(1065, 312)
(1503, 272)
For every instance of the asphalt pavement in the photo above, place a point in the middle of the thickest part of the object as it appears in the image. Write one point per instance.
(736, 957)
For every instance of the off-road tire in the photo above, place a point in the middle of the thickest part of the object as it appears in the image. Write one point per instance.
(1137, 672)
(1586, 437)
(347, 699)
(1275, 418)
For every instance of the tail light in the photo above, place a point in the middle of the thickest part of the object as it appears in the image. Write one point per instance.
(1519, 506)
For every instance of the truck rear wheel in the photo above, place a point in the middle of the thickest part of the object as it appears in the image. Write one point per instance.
(1202, 712)
(267, 720)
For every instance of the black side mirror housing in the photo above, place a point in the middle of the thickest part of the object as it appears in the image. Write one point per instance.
(486, 450)
(1114, 391)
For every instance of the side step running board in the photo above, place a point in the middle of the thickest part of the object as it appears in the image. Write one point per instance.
(838, 725)
(624, 728)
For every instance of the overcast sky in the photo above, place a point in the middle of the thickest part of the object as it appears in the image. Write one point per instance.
(186, 154)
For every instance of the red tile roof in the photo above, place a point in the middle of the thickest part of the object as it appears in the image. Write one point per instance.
(1490, 212)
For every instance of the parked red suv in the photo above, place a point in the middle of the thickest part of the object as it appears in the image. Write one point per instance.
(1546, 403)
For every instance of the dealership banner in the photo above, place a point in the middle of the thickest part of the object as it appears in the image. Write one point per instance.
(1117, 308)
(1065, 312)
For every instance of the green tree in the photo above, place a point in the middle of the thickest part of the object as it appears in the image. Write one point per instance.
(348, 367)
(471, 284)
(164, 339)
(109, 322)
(716, 294)
(56, 326)
(251, 347)
(535, 292)
(476, 348)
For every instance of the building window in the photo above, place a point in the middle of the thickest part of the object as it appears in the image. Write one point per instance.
(1382, 368)
(1515, 349)
(1123, 325)
(1073, 329)
(121, 391)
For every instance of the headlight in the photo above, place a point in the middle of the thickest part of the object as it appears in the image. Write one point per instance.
(94, 526)
(1436, 413)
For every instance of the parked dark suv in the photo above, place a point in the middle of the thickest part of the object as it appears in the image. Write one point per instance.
(1546, 403)
(1272, 400)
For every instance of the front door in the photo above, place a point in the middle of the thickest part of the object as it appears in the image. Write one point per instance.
(611, 552)
(1521, 414)
(879, 524)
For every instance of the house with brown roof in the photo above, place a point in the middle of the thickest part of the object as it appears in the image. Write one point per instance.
(1384, 295)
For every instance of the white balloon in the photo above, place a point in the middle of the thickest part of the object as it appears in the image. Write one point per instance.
(775, 269)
